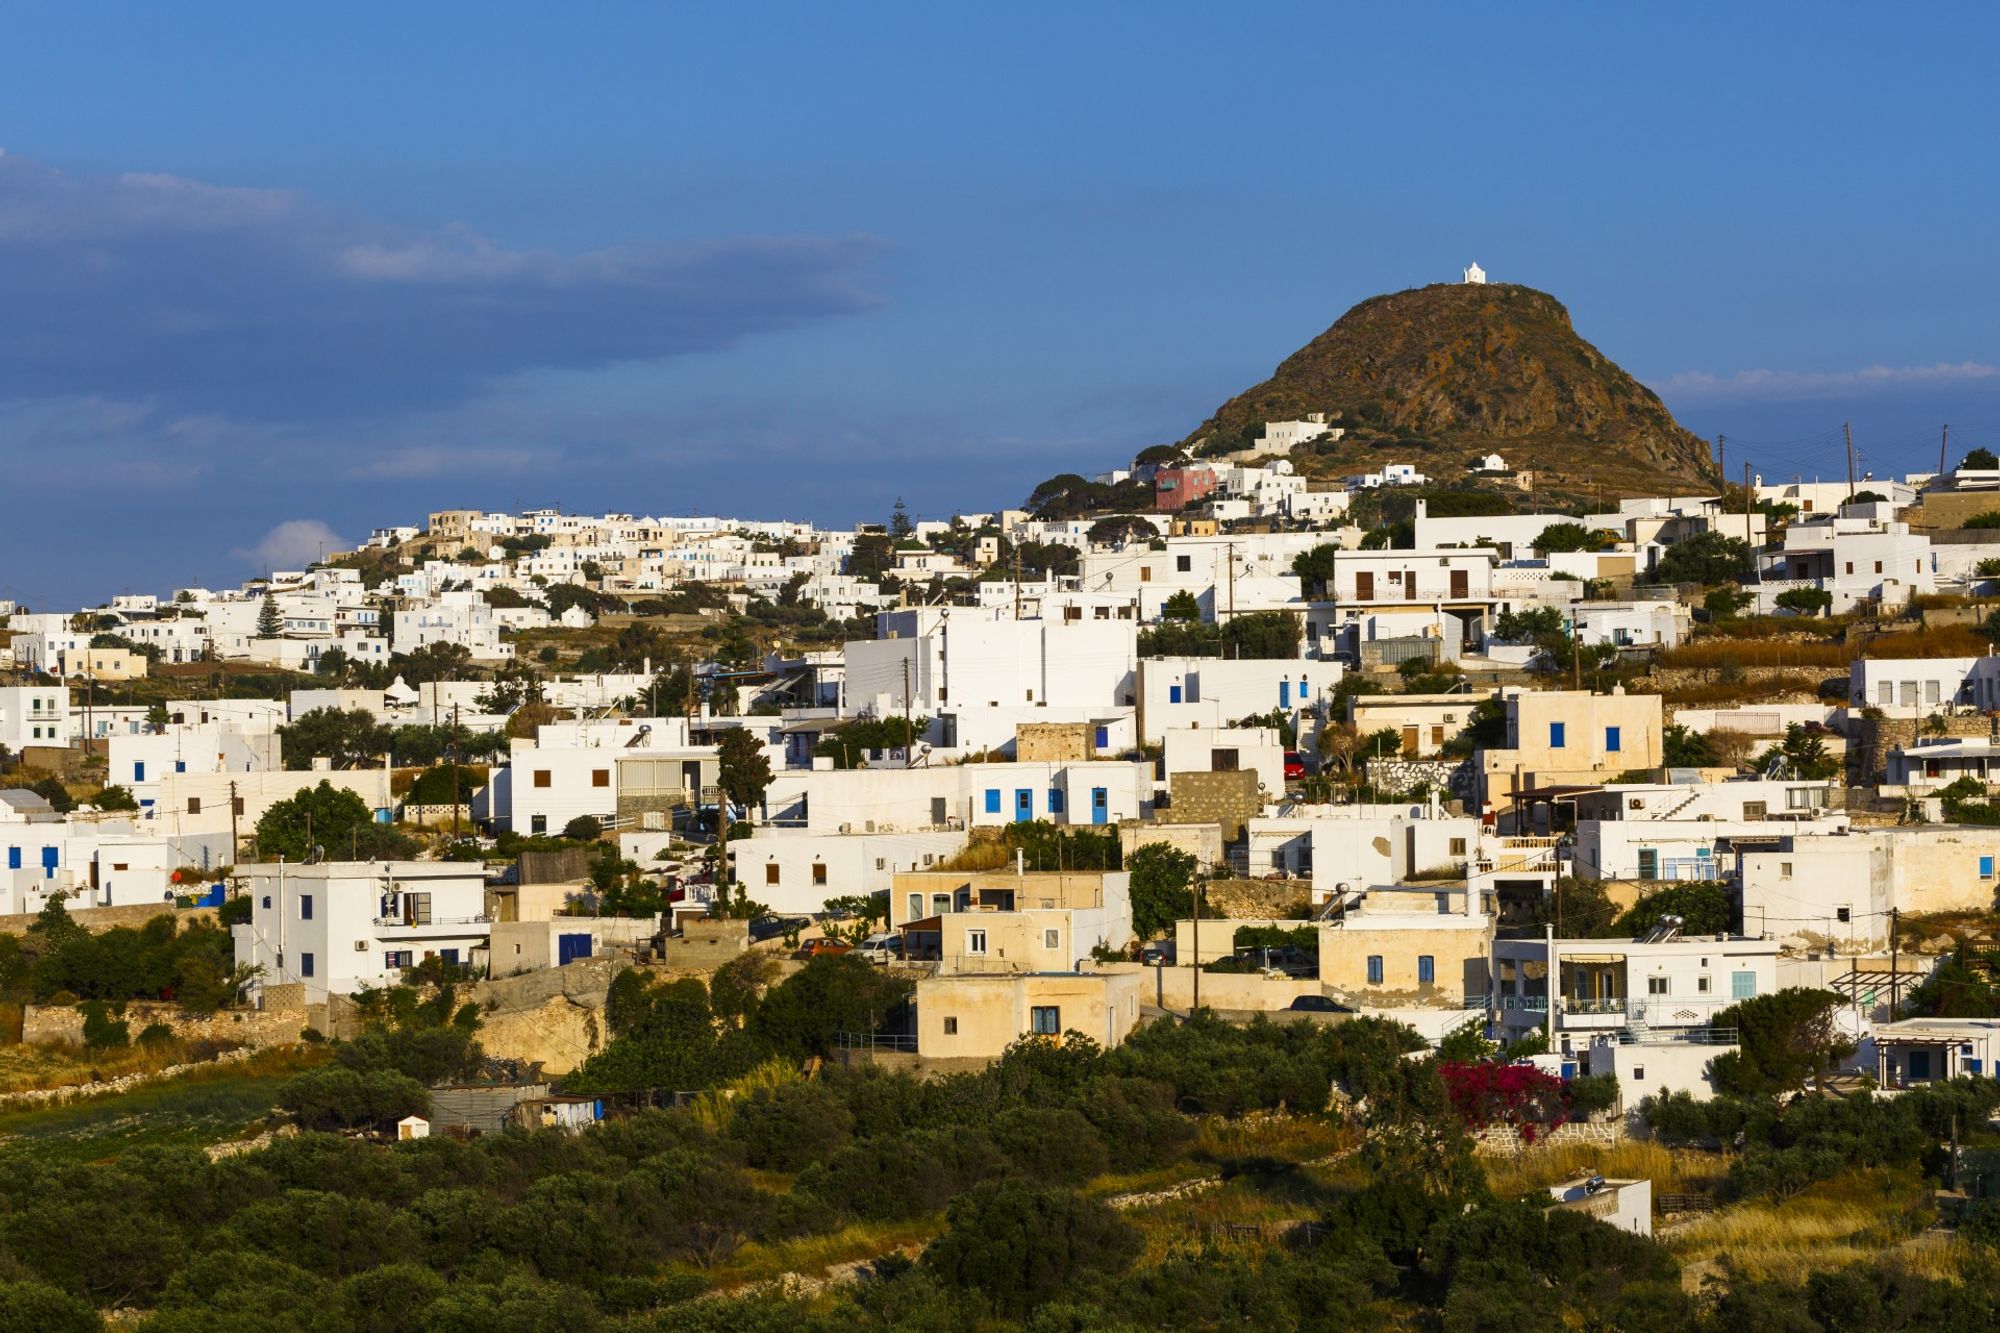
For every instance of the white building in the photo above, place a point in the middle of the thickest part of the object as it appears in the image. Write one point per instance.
(341, 925)
(33, 715)
(1605, 988)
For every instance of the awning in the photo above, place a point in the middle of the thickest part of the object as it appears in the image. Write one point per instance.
(1591, 957)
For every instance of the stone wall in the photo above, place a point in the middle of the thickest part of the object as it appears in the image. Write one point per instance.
(1869, 739)
(705, 944)
(1454, 776)
(1201, 841)
(96, 919)
(1228, 799)
(63, 1024)
(571, 863)
(1053, 742)
(1506, 1141)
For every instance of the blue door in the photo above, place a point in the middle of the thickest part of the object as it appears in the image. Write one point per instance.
(1024, 804)
(1100, 805)
(49, 855)
(138, 772)
(1284, 694)
(569, 948)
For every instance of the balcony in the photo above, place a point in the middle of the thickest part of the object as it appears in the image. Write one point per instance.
(395, 926)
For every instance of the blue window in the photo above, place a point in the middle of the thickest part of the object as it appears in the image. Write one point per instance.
(1974, 1066)
(450, 957)
(305, 907)
(138, 772)
(180, 766)
(1986, 867)
(396, 958)
(1173, 694)
(992, 800)
(1427, 968)
(1374, 969)
(51, 858)
(1055, 800)
(1104, 738)
(13, 858)
(1556, 737)
(305, 964)
(1742, 985)
(1611, 739)
(1284, 694)
(1046, 1020)
(1024, 804)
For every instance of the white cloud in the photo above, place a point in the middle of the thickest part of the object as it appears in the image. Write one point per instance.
(292, 544)
(1699, 385)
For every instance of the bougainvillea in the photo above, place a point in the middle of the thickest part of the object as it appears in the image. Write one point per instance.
(1517, 1095)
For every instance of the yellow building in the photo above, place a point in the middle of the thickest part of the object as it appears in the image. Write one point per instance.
(102, 664)
(977, 1016)
(1569, 737)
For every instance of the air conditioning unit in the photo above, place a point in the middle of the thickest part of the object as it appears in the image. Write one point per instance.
(847, 828)
(361, 946)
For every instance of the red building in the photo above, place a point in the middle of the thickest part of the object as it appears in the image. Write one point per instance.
(1179, 487)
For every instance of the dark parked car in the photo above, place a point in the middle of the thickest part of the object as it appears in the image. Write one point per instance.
(770, 927)
(1315, 1004)
(1158, 953)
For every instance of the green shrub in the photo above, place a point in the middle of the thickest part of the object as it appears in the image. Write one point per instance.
(101, 1031)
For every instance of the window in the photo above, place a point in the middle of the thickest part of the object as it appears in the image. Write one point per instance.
(975, 941)
(14, 863)
(951, 1027)
(1426, 970)
(1657, 986)
(1753, 810)
(1052, 939)
(819, 873)
(305, 907)
(1612, 739)
(194, 805)
(1055, 800)
(992, 800)
(1701, 984)
(1046, 1020)
(417, 909)
(880, 862)
(180, 766)
(1104, 738)
(267, 902)
(1183, 563)
(1850, 566)
(138, 772)
(940, 904)
(1374, 969)
(1458, 847)
(1145, 573)
(396, 958)
(1878, 566)
(1556, 735)
(1986, 867)
(600, 777)
(538, 824)
(1843, 914)
(1638, 1073)
(771, 873)
(450, 956)
(1222, 761)
(1742, 985)
(1649, 863)
(916, 906)
(541, 777)
(305, 964)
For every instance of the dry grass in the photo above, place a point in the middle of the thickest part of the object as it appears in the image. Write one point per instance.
(715, 1108)
(1282, 1137)
(813, 1255)
(1672, 1170)
(1719, 692)
(27, 1067)
(1940, 641)
(1855, 1218)
(1714, 653)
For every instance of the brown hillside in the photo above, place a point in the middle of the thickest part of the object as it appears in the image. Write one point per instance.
(1437, 375)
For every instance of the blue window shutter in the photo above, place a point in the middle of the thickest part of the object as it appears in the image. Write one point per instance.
(1055, 800)
(1284, 694)
(305, 964)
(1374, 969)
(1742, 985)
(1611, 738)
(138, 772)
(1555, 735)
(1986, 867)
(13, 858)
(992, 800)
(1103, 738)
(1173, 694)
(180, 766)
(1426, 969)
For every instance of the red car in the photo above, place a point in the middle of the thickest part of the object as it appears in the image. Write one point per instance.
(817, 948)
(1295, 766)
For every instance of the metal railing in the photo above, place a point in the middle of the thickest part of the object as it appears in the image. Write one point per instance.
(433, 921)
(1614, 1004)
(876, 1041)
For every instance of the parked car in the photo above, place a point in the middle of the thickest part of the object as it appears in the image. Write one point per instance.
(1157, 953)
(884, 948)
(1295, 765)
(1315, 1004)
(820, 948)
(771, 927)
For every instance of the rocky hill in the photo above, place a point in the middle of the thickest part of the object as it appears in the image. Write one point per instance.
(1437, 375)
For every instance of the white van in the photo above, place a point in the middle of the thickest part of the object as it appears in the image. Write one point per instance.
(884, 948)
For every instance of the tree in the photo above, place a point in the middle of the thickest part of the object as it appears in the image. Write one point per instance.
(336, 1098)
(1315, 569)
(324, 816)
(745, 770)
(1980, 459)
(270, 624)
(348, 737)
(833, 993)
(1705, 558)
(899, 521)
(1183, 605)
(584, 828)
(332, 664)
(1117, 528)
(1805, 601)
(1704, 907)
(115, 798)
(1529, 625)
(1682, 748)
(1162, 887)
(1564, 537)
(1268, 635)
(57, 795)
(1021, 1245)
(1782, 1040)
(1722, 603)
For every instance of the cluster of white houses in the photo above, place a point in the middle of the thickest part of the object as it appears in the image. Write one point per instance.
(1031, 700)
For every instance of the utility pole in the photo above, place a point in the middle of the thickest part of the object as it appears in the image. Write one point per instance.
(1722, 456)
(1848, 430)
(1575, 648)
(454, 772)
(1017, 581)
(1895, 921)
(1944, 439)
(235, 839)
(909, 741)
(1747, 497)
(1229, 548)
(1196, 1002)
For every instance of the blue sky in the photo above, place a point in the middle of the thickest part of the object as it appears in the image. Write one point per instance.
(265, 267)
